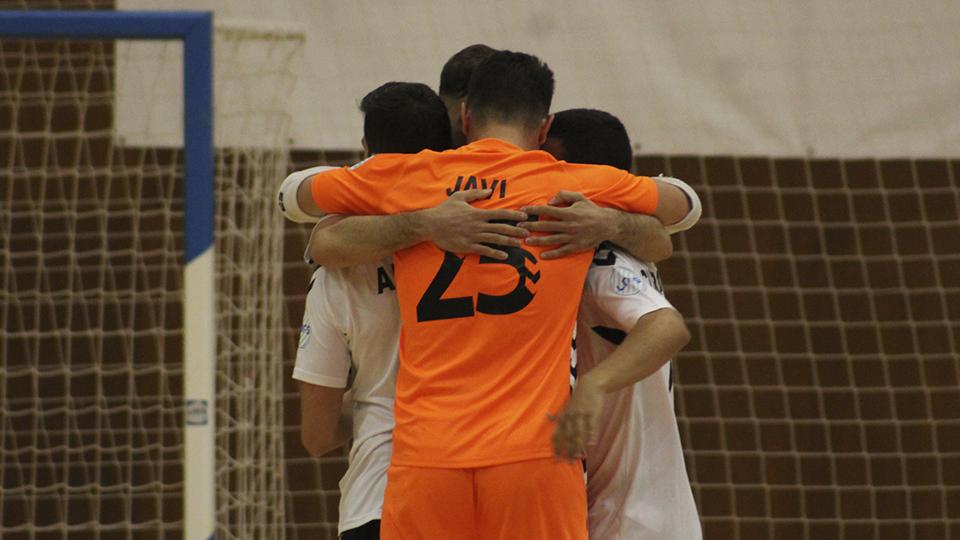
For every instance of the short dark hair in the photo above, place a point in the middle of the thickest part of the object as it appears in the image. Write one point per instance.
(455, 76)
(404, 118)
(592, 137)
(510, 87)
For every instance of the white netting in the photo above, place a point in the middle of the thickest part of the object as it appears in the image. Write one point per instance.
(254, 78)
(819, 397)
(91, 289)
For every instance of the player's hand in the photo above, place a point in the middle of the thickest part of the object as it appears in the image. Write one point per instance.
(456, 226)
(578, 424)
(576, 225)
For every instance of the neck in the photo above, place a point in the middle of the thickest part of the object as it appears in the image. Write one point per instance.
(524, 138)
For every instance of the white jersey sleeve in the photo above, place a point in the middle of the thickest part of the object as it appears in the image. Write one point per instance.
(623, 288)
(637, 483)
(323, 354)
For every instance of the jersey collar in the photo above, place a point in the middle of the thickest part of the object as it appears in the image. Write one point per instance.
(491, 145)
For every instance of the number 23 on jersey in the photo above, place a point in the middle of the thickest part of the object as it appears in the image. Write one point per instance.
(433, 307)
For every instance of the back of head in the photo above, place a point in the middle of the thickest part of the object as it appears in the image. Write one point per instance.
(456, 73)
(404, 118)
(510, 87)
(592, 137)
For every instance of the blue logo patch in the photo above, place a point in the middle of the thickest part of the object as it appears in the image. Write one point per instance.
(626, 283)
(304, 335)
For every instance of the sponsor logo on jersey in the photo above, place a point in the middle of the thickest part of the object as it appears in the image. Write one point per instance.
(304, 335)
(627, 283)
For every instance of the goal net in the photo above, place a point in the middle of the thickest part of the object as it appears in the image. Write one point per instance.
(91, 285)
(819, 396)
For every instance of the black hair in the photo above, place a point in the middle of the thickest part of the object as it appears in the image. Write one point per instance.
(455, 76)
(592, 137)
(510, 87)
(404, 118)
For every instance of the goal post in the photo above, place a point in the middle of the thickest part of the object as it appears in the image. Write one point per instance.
(195, 30)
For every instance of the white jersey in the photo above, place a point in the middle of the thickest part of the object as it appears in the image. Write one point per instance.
(351, 330)
(637, 484)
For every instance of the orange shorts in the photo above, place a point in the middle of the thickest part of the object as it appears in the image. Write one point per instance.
(537, 499)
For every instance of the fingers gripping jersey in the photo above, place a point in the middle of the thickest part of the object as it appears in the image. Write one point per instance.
(637, 483)
(484, 347)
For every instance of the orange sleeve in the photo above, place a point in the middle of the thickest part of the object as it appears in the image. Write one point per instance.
(357, 190)
(618, 189)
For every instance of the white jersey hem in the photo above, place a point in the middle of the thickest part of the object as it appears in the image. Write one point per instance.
(319, 380)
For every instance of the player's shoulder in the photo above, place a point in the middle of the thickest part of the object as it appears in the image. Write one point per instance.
(318, 293)
(327, 284)
(358, 283)
(376, 162)
(320, 285)
(387, 160)
(615, 271)
(591, 171)
(389, 164)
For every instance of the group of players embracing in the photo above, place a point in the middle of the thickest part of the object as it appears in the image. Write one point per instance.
(455, 266)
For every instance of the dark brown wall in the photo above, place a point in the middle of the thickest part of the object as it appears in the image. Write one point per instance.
(820, 394)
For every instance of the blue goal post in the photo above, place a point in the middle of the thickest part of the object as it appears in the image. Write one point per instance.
(195, 30)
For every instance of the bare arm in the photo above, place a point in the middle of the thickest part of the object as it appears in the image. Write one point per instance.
(454, 225)
(642, 236)
(325, 424)
(672, 203)
(581, 225)
(654, 340)
(305, 199)
(342, 241)
(577, 224)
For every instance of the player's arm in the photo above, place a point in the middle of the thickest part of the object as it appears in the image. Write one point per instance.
(325, 419)
(293, 204)
(628, 294)
(577, 224)
(454, 225)
(306, 201)
(308, 195)
(678, 206)
(322, 368)
(654, 340)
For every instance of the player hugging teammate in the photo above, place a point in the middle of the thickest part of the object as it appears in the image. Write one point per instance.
(457, 358)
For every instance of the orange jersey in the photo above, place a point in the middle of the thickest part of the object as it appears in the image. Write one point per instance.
(485, 344)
